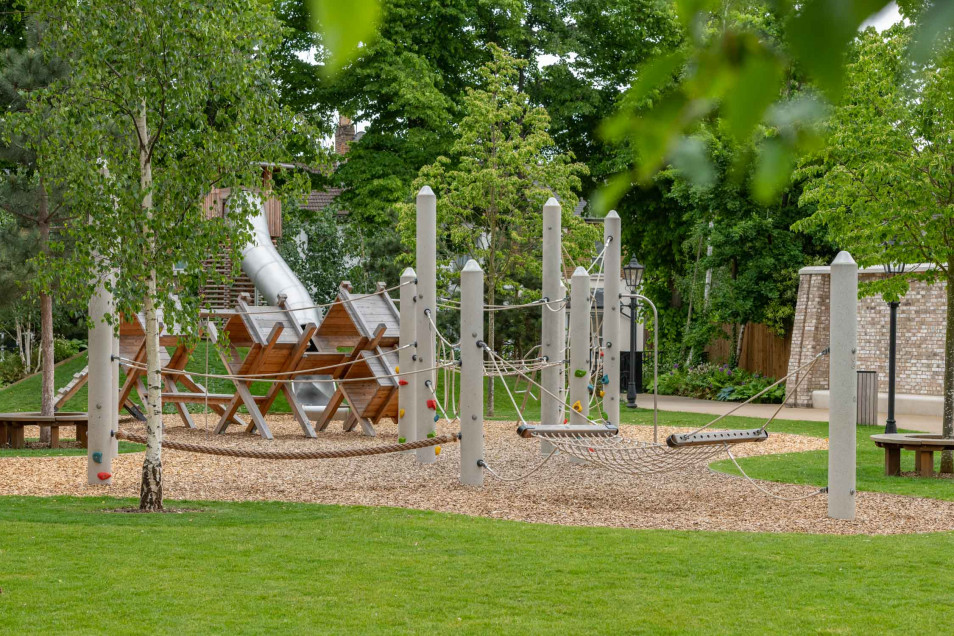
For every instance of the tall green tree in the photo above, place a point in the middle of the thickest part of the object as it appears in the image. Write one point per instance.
(884, 185)
(25, 190)
(492, 186)
(165, 100)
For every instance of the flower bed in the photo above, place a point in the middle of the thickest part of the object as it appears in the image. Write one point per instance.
(719, 382)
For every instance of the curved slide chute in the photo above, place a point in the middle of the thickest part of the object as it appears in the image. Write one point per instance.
(272, 277)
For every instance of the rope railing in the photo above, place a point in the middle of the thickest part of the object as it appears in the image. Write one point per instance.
(296, 455)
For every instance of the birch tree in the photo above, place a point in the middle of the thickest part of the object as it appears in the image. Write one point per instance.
(167, 99)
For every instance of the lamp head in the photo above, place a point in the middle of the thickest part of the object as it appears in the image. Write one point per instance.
(633, 273)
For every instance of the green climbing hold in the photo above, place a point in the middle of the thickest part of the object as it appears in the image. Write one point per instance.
(401, 440)
(605, 415)
(431, 435)
(580, 373)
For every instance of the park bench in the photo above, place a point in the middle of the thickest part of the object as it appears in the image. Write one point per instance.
(924, 446)
(12, 425)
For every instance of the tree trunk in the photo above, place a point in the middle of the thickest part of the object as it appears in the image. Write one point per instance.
(150, 491)
(46, 320)
(947, 427)
(492, 379)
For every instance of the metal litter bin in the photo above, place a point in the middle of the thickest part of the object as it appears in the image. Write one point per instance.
(867, 398)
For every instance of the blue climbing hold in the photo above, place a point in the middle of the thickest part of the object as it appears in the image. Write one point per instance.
(436, 418)
(98, 457)
(605, 378)
(590, 387)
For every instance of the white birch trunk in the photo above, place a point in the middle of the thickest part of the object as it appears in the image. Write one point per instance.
(150, 492)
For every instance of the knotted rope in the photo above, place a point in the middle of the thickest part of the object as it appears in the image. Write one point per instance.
(314, 454)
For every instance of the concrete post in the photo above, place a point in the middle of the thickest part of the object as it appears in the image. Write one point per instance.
(611, 317)
(579, 346)
(102, 406)
(551, 343)
(407, 398)
(843, 383)
(471, 374)
(426, 304)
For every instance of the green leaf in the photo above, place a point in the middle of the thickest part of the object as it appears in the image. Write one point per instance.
(343, 27)
(692, 160)
(819, 35)
(758, 84)
(772, 171)
(937, 19)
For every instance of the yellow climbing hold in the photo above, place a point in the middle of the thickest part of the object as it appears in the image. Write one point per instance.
(437, 450)
(577, 406)
(397, 369)
(401, 413)
(602, 393)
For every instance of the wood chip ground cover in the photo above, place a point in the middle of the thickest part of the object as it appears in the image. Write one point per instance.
(559, 493)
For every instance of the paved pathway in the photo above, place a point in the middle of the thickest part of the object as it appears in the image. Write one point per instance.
(926, 423)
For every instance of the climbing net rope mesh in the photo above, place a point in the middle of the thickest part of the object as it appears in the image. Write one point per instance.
(310, 454)
(626, 455)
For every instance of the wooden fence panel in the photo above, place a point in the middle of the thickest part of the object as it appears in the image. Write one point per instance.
(762, 351)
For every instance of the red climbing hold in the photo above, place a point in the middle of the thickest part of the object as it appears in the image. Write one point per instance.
(104, 476)
(432, 404)
(402, 382)
(601, 354)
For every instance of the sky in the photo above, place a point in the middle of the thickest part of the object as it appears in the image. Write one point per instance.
(884, 18)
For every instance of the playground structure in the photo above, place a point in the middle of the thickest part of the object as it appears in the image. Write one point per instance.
(414, 364)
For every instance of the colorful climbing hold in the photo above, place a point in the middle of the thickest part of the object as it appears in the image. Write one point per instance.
(98, 457)
(605, 378)
(437, 450)
(578, 407)
(103, 476)
(401, 413)
(590, 387)
(601, 354)
(566, 421)
(602, 393)
(397, 369)
(402, 382)
(436, 418)
(580, 373)
(605, 415)
(431, 435)
(432, 404)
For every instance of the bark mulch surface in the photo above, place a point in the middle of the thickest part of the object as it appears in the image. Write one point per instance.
(559, 493)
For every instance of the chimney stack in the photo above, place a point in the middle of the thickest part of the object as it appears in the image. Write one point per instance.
(344, 135)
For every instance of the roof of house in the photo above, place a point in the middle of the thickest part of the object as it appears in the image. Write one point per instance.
(321, 199)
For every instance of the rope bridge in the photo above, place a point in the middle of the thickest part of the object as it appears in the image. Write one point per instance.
(314, 454)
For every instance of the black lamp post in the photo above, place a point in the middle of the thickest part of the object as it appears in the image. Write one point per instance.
(890, 426)
(633, 272)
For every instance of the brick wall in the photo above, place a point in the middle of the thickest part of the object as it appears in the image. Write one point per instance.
(920, 363)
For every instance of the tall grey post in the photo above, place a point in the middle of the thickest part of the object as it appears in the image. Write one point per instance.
(551, 343)
(102, 404)
(426, 311)
(471, 374)
(407, 399)
(843, 384)
(579, 349)
(611, 339)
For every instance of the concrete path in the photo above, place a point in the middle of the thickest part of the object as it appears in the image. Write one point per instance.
(925, 423)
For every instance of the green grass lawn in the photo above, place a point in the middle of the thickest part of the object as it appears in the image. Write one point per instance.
(65, 566)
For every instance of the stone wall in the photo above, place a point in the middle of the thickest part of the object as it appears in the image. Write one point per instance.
(920, 358)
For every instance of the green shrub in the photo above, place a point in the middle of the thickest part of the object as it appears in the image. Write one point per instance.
(11, 369)
(719, 382)
(63, 349)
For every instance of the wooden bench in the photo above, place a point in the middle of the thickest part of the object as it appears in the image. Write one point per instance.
(924, 446)
(12, 424)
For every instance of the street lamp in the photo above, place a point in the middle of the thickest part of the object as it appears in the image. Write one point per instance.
(633, 273)
(890, 426)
